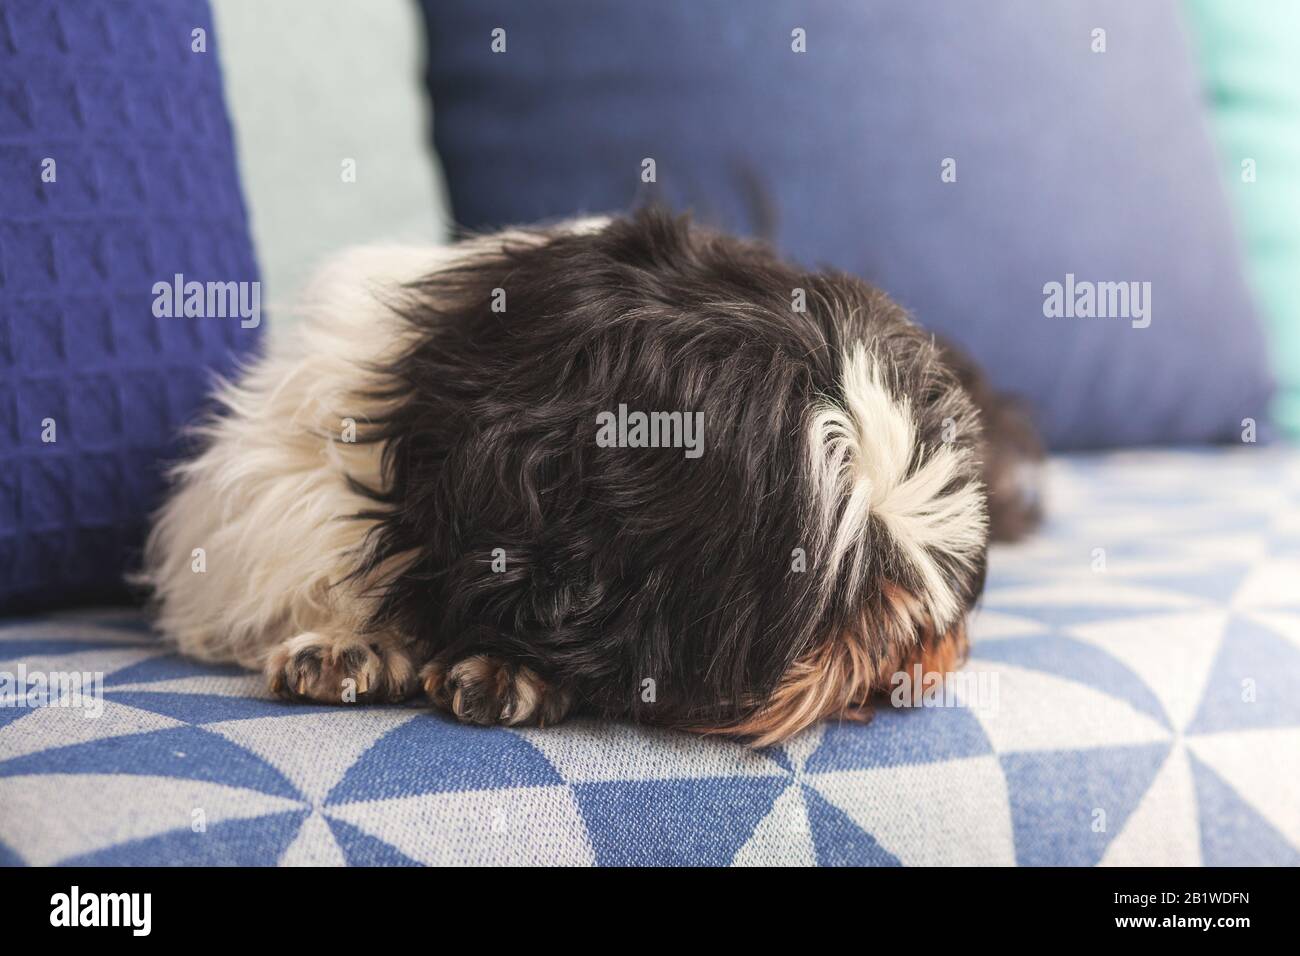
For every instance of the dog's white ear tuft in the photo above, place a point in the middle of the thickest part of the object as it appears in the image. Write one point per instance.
(865, 459)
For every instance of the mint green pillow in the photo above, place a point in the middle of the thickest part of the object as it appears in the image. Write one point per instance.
(1250, 54)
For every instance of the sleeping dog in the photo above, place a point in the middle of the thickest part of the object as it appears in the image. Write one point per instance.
(435, 484)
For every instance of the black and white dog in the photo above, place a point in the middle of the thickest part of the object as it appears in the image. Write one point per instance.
(463, 473)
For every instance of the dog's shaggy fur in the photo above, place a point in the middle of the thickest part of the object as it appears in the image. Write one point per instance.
(408, 493)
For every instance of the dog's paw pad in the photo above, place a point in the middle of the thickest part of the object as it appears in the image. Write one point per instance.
(336, 670)
(486, 690)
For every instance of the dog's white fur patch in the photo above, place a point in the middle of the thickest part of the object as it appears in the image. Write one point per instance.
(865, 460)
(268, 500)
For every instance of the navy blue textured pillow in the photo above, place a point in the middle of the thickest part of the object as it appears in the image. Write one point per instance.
(116, 173)
(1068, 162)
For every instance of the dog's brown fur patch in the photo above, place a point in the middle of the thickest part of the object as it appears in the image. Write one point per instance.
(839, 677)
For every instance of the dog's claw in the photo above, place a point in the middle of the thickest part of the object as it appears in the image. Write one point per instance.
(339, 670)
(485, 690)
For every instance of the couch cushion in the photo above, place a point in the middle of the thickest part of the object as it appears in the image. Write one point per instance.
(1068, 162)
(1135, 666)
(116, 174)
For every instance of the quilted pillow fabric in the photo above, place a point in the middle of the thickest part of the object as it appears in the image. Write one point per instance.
(117, 173)
(961, 155)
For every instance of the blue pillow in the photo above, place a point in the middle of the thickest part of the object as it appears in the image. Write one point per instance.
(1073, 168)
(117, 175)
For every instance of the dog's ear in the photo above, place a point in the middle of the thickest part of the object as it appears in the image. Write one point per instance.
(1013, 468)
(1011, 454)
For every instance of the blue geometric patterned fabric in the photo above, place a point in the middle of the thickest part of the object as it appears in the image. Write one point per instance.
(1144, 650)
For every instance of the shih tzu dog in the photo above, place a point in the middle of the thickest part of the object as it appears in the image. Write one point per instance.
(631, 467)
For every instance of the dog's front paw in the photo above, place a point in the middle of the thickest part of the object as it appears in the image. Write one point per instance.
(486, 690)
(339, 670)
